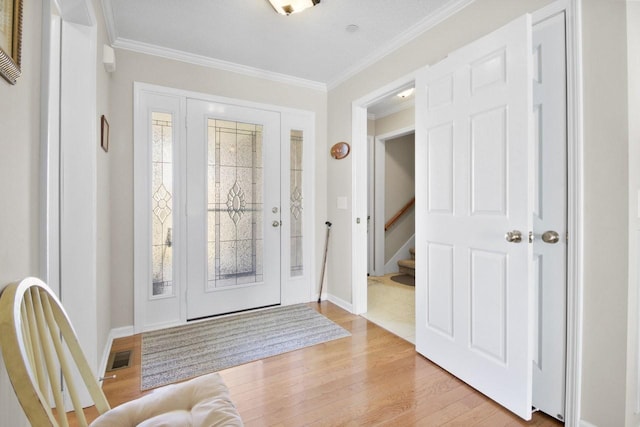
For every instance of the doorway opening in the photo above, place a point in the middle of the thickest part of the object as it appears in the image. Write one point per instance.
(391, 214)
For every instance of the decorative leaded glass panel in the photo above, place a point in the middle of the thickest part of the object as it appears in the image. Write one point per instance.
(162, 204)
(235, 203)
(297, 267)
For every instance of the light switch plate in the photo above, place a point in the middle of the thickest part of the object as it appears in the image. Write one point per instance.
(341, 202)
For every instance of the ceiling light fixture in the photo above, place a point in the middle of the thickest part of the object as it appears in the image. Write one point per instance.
(287, 7)
(405, 93)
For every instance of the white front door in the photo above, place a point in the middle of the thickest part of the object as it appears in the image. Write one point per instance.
(473, 290)
(233, 208)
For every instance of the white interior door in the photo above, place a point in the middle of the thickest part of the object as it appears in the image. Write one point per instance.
(549, 216)
(473, 291)
(233, 208)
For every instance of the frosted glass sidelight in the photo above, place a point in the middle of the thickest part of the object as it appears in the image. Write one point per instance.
(297, 267)
(234, 203)
(162, 204)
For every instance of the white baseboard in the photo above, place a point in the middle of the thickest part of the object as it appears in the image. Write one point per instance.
(125, 331)
(340, 303)
(584, 423)
(402, 253)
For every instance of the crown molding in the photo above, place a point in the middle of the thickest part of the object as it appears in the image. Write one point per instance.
(205, 61)
(414, 31)
(107, 12)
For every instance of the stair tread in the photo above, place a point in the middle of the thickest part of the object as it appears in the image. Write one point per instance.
(409, 263)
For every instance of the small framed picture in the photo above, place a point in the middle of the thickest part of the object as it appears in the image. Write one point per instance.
(104, 134)
(10, 39)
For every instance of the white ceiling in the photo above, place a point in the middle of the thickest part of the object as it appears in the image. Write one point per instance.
(311, 48)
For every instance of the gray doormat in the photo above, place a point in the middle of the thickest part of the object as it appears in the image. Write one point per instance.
(176, 354)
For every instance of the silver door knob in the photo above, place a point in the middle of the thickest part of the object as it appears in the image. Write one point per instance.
(276, 223)
(550, 237)
(514, 236)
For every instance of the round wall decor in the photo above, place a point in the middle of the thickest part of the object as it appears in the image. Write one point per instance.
(340, 150)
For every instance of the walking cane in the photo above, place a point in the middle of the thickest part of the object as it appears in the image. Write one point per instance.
(324, 261)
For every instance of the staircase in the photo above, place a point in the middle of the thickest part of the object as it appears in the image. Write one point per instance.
(408, 266)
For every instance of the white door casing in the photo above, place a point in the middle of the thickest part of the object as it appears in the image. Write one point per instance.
(473, 291)
(371, 213)
(239, 205)
(549, 214)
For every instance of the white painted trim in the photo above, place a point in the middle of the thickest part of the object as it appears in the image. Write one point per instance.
(379, 199)
(205, 61)
(50, 147)
(446, 11)
(584, 423)
(340, 303)
(169, 91)
(121, 332)
(636, 362)
(107, 11)
(575, 279)
(402, 253)
(78, 186)
(371, 208)
(359, 211)
(359, 186)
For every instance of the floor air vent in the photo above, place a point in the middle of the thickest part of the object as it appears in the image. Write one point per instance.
(119, 360)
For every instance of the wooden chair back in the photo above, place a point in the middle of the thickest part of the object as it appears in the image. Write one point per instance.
(37, 338)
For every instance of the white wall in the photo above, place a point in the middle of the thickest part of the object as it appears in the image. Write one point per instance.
(633, 341)
(132, 66)
(19, 180)
(605, 212)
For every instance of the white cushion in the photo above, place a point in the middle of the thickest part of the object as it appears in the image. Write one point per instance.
(202, 401)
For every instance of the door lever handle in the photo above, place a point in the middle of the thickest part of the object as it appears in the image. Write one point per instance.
(514, 236)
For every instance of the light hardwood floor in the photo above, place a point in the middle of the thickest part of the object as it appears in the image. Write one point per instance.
(370, 378)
